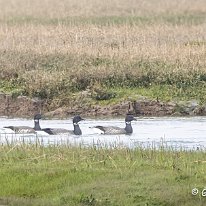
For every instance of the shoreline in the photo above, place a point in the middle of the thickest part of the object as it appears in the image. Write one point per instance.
(23, 106)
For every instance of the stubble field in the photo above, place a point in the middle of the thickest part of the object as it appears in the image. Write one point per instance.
(52, 49)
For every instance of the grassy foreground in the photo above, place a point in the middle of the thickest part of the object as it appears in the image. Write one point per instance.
(64, 175)
(59, 49)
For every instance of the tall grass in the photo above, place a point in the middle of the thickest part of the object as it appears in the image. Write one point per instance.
(64, 175)
(56, 9)
(51, 49)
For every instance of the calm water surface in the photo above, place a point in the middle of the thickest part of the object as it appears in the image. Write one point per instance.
(186, 133)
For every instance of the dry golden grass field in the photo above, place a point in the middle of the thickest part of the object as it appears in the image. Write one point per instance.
(51, 49)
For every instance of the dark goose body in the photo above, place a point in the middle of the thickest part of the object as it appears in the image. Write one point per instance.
(59, 131)
(22, 129)
(118, 130)
(26, 129)
(111, 130)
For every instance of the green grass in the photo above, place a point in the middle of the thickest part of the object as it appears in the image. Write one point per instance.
(164, 93)
(62, 175)
(112, 80)
(185, 18)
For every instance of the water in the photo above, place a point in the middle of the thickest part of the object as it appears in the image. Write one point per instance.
(185, 133)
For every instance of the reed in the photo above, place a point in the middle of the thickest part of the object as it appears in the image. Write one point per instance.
(51, 50)
(62, 175)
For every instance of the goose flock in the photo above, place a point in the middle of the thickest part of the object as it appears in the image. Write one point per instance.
(108, 130)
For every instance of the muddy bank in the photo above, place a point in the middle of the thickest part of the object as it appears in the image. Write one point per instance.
(22, 106)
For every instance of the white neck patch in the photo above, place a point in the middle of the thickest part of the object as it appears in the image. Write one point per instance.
(128, 122)
(75, 123)
(36, 120)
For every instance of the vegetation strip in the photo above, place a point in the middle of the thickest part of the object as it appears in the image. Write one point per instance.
(62, 175)
(56, 52)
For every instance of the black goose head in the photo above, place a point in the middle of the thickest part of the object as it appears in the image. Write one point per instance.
(37, 117)
(77, 130)
(77, 119)
(130, 118)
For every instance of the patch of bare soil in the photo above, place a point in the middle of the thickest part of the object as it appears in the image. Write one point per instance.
(26, 107)
(20, 106)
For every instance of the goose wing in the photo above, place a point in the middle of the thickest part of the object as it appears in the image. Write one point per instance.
(111, 130)
(57, 131)
(22, 129)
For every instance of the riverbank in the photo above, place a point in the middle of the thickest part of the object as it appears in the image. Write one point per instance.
(22, 106)
(97, 61)
(64, 175)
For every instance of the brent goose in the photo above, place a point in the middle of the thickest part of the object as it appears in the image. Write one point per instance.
(26, 129)
(117, 130)
(56, 131)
